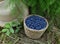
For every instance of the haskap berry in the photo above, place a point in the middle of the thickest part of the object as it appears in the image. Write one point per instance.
(36, 22)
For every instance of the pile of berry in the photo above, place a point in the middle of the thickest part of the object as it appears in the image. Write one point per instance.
(36, 22)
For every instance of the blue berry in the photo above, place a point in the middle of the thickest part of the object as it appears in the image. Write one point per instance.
(36, 22)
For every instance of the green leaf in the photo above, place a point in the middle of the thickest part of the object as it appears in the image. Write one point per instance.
(16, 31)
(4, 30)
(50, 2)
(8, 33)
(57, 11)
(7, 25)
(43, 5)
(11, 30)
(30, 2)
(15, 23)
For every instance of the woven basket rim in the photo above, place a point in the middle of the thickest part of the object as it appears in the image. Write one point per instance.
(35, 29)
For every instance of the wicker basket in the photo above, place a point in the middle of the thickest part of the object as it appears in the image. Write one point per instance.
(34, 34)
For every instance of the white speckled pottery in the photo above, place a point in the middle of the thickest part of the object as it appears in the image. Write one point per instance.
(34, 34)
(6, 10)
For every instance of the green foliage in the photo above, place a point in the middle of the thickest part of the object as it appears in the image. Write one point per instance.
(30, 2)
(8, 33)
(11, 30)
(8, 28)
(4, 30)
(7, 25)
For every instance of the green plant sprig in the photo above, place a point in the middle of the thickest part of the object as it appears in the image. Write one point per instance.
(8, 28)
